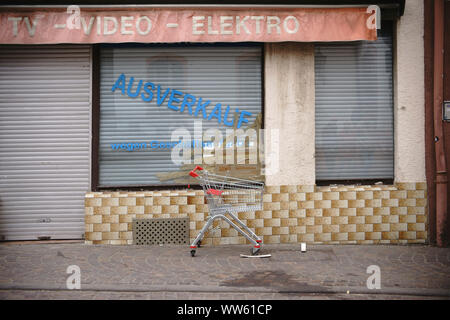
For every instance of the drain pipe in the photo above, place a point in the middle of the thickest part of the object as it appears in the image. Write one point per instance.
(438, 95)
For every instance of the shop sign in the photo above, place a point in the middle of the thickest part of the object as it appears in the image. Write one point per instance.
(150, 25)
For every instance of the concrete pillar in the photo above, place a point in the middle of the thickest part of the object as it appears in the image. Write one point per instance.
(290, 107)
(409, 108)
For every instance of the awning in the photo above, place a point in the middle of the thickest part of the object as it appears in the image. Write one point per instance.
(171, 24)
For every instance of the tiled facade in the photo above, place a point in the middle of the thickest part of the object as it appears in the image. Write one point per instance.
(377, 214)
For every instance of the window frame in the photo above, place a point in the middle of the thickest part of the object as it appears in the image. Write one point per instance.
(95, 163)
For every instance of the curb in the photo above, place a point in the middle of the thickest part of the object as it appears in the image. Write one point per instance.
(218, 289)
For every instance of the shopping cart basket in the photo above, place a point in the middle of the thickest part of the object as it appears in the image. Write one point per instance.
(229, 195)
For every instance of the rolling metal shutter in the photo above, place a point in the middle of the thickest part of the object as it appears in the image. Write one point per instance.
(354, 110)
(44, 141)
(226, 74)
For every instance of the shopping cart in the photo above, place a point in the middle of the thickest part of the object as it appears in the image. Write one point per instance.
(228, 195)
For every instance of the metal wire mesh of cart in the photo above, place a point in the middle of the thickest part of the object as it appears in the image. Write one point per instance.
(234, 194)
(229, 195)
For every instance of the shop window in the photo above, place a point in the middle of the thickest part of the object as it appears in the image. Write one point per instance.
(354, 110)
(149, 92)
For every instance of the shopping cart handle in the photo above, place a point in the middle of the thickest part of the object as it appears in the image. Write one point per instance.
(193, 174)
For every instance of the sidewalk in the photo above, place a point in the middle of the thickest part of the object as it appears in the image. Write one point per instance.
(38, 271)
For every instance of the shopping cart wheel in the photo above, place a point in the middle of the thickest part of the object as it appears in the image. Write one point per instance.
(192, 253)
(255, 251)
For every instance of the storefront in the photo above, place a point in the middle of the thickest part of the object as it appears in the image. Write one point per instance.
(104, 111)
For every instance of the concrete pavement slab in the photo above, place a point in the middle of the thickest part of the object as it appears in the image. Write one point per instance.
(147, 272)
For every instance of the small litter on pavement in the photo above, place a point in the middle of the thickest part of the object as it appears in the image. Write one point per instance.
(303, 247)
(256, 256)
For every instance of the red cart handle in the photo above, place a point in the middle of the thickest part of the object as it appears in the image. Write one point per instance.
(193, 174)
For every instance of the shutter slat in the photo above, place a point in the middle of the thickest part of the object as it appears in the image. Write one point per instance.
(230, 75)
(354, 110)
(44, 140)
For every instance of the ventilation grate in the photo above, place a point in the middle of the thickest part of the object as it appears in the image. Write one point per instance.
(161, 231)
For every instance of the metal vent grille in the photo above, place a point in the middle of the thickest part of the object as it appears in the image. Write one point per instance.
(161, 231)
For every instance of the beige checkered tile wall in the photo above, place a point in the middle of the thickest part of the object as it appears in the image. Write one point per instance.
(329, 215)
